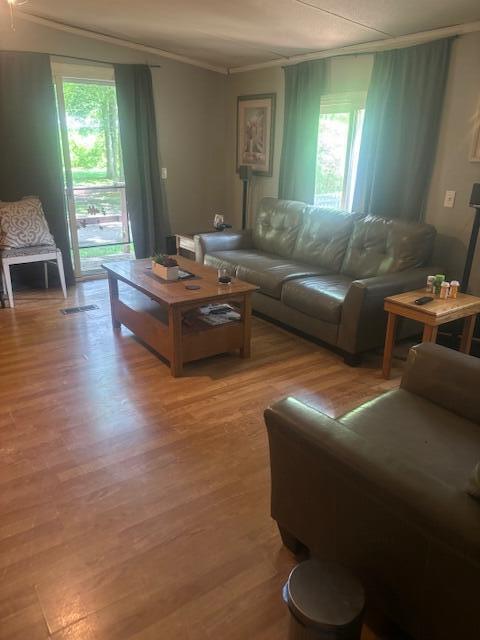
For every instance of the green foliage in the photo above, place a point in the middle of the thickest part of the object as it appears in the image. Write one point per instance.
(89, 157)
(92, 112)
(331, 149)
(112, 249)
(165, 260)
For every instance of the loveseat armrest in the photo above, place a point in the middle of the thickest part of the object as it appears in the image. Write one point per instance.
(221, 241)
(445, 377)
(318, 463)
(363, 319)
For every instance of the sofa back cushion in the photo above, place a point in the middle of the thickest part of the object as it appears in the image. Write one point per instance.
(276, 226)
(378, 246)
(323, 237)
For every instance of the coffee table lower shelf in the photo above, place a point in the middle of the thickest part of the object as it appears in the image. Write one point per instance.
(163, 330)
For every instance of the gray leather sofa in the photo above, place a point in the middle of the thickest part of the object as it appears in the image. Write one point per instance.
(325, 272)
(382, 491)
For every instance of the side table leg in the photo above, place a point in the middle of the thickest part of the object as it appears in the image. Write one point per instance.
(429, 333)
(113, 289)
(468, 329)
(247, 324)
(389, 343)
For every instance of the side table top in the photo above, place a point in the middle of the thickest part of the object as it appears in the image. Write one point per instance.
(463, 305)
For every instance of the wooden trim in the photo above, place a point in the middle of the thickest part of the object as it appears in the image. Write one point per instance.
(119, 42)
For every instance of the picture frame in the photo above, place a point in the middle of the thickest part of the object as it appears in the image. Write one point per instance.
(475, 150)
(255, 132)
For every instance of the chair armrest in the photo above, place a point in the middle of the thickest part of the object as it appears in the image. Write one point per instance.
(363, 320)
(445, 377)
(221, 241)
(312, 455)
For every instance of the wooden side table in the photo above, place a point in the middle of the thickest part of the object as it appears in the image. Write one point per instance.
(431, 315)
(186, 243)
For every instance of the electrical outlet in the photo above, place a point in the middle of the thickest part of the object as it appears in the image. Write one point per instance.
(449, 200)
(164, 173)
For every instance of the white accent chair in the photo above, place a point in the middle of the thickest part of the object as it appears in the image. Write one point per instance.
(42, 253)
(25, 237)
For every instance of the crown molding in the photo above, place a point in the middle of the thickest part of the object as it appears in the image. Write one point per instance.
(119, 42)
(367, 47)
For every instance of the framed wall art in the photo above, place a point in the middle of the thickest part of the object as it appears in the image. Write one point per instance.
(475, 152)
(255, 131)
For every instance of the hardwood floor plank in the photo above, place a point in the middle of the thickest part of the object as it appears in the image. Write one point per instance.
(134, 505)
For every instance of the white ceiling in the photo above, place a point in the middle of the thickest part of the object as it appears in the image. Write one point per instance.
(233, 33)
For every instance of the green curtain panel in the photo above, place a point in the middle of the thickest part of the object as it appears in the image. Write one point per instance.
(30, 158)
(145, 192)
(402, 118)
(304, 85)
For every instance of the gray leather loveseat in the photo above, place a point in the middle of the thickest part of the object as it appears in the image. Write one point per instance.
(382, 490)
(324, 272)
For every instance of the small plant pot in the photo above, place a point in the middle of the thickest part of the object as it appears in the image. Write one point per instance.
(166, 273)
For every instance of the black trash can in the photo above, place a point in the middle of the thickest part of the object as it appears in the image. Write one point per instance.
(326, 602)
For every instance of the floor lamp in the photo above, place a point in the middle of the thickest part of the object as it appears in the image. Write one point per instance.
(245, 173)
(475, 203)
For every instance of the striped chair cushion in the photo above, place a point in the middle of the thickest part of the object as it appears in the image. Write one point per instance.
(28, 251)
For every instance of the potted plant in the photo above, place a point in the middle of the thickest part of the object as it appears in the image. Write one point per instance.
(165, 267)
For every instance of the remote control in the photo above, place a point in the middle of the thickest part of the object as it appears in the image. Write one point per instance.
(423, 300)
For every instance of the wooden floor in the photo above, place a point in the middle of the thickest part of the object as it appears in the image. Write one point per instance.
(134, 505)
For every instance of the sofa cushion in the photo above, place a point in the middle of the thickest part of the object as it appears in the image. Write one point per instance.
(267, 271)
(425, 435)
(323, 237)
(276, 226)
(378, 246)
(320, 296)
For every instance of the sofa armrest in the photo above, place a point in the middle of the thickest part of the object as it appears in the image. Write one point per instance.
(315, 459)
(221, 241)
(445, 377)
(363, 320)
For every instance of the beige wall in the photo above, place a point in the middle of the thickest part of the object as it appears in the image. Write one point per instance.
(190, 106)
(452, 169)
(348, 73)
(264, 81)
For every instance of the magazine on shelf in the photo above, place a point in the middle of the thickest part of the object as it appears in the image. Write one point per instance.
(217, 314)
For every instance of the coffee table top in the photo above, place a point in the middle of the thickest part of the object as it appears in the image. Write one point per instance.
(138, 274)
(464, 304)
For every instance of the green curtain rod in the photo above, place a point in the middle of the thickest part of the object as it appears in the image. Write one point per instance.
(61, 55)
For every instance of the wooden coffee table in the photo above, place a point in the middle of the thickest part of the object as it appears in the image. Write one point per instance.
(431, 315)
(157, 316)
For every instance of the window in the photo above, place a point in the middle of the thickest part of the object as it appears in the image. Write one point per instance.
(93, 166)
(339, 135)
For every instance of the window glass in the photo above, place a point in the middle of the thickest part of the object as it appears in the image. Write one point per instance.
(339, 136)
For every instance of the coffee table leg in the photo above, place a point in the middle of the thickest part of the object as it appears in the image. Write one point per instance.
(247, 326)
(389, 343)
(113, 289)
(429, 333)
(468, 329)
(175, 336)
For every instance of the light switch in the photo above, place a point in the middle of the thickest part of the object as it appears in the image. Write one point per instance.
(164, 174)
(449, 199)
